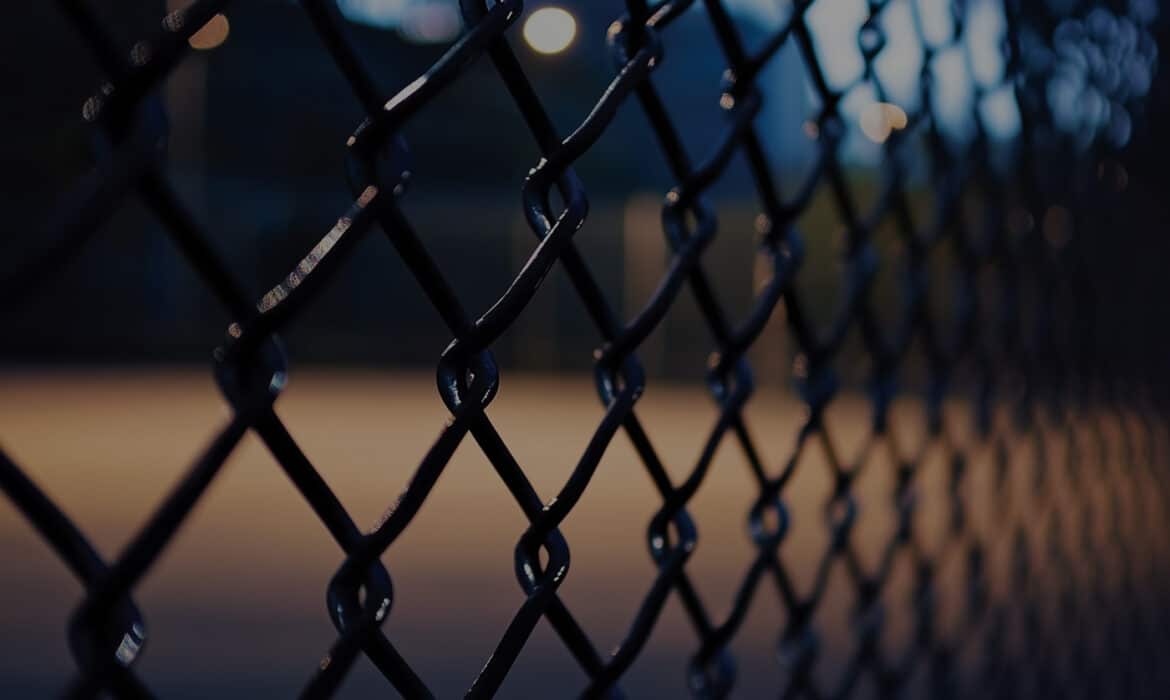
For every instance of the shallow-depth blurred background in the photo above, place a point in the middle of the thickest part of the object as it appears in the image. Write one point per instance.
(105, 393)
(259, 122)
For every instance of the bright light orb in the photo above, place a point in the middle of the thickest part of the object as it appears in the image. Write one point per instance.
(879, 119)
(550, 30)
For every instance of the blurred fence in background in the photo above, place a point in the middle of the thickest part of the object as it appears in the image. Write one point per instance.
(926, 201)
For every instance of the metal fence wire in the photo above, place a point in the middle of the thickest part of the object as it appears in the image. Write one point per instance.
(1083, 612)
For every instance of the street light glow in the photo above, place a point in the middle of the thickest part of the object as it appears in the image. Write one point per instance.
(550, 30)
(879, 119)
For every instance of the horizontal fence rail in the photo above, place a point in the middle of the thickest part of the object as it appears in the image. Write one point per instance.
(1015, 378)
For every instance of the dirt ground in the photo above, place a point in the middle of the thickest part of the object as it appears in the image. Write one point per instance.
(236, 605)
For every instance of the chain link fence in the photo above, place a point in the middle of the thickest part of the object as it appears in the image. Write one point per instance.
(1063, 581)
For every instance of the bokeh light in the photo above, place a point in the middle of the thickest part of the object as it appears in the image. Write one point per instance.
(550, 30)
(210, 35)
(430, 22)
(879, 119)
